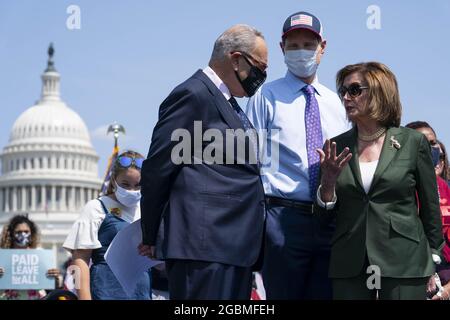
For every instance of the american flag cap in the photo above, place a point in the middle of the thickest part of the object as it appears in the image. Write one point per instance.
(303, 20)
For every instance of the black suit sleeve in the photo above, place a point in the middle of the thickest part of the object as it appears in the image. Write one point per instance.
(427, 192)
(179, 111)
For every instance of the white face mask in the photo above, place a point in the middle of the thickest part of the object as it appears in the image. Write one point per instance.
(301, 62)
(126, 197)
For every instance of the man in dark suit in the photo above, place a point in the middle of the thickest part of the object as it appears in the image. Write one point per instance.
(213, 211)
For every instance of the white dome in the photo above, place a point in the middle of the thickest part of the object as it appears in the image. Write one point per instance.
(49, 139)
(50, 121)
(49, 168)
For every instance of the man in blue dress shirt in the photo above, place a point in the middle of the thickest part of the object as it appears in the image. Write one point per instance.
(298, 113)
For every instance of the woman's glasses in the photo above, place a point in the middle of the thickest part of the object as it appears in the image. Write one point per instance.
(354, 90)
(125, 162)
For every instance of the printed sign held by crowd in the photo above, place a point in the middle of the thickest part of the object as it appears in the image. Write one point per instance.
(26, 269)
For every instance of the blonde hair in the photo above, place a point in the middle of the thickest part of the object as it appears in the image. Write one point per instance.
(118, 169)
(384, 98)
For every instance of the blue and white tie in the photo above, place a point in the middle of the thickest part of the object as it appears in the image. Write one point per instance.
(246, 124)
(314, 138)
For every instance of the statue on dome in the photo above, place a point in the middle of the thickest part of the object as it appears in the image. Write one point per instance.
(50, 63)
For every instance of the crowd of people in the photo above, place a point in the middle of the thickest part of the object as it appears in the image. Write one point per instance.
(352, 188)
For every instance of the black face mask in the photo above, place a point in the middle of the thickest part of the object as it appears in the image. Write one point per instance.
(254, 80)
(435, 153)
(22, 238)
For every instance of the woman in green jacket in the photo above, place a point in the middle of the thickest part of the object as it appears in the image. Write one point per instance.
(384, 245)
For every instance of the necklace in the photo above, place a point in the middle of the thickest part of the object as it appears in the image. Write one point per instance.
(372, 137)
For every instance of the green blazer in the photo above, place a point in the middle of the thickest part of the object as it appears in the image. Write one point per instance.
(386, 222)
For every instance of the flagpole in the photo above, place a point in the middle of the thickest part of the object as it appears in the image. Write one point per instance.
(116, 129)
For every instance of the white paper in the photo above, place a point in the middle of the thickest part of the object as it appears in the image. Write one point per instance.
(124, 260)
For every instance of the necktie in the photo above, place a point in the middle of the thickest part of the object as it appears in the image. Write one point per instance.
(246, 124)
(313, 137)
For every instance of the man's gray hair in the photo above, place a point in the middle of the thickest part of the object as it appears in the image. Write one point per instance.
(240, 37)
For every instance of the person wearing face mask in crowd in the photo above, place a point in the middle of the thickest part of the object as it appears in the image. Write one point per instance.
(442, 169)
(438, 153)
(98, 224)
(22, 233)
(213, 209)
(424, 128)
(299, 114)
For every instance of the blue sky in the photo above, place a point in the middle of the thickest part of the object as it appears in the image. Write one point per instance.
(128, 55)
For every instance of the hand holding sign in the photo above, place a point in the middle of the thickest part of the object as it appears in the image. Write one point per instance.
(27, 269)
(53, 273)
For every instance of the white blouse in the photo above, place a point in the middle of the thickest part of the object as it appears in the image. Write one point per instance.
(84, 232)
(367, 173)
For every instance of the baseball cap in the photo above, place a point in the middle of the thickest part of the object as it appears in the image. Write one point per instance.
(302, 20)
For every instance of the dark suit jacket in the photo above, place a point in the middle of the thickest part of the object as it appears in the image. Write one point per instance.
(212, 212)
(386, 222)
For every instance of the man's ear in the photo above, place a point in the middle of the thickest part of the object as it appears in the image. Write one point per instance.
(234, 58)
(282, 46)
(323, 45)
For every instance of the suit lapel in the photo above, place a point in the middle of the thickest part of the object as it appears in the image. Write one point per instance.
(388, 152)
(354, 161)
(224, 107)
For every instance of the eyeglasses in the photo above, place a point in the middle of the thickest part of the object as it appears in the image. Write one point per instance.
(125, 161)
(246, 56)
(354, 90)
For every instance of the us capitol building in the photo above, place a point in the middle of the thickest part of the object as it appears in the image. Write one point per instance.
(49, 168)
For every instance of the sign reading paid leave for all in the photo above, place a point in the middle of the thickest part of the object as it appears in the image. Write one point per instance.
(26, 269)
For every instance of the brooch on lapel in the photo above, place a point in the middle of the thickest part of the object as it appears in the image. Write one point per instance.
(394, 143)
(116, 211)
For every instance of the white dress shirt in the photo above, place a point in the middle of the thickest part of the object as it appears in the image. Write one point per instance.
(212, 75)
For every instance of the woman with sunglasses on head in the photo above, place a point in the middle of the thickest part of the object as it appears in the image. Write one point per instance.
(384, 245)
(100, 221)
(22, 233)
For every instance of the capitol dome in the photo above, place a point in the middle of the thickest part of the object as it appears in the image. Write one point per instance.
(49, 168)
(50, 121)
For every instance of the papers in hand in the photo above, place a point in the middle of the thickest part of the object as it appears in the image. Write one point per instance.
(124, 260)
